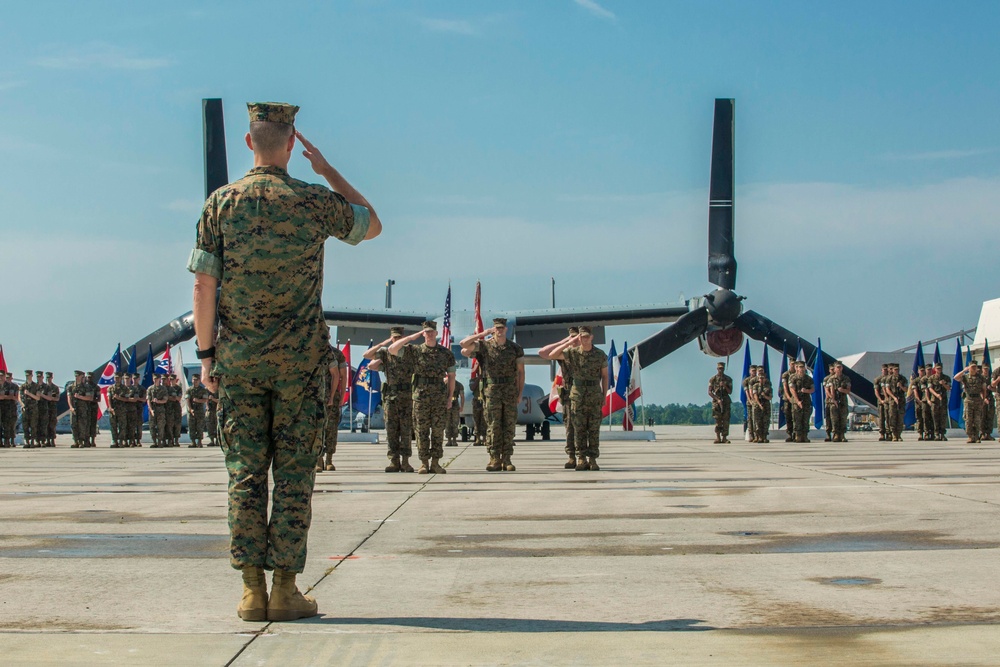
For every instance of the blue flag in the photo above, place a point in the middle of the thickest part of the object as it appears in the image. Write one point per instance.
(131, 361)
(781, 390)
(611, 377)
(955, 400)
(937, 353)
(766, 363)
(147, 379)
(819, 374)
(624, 374)
(366, 394)
(968, 355)
(743, 388)
(986, 354)
(910, 418)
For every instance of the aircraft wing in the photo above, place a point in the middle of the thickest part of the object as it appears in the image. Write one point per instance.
(363, 324)
(537, 328)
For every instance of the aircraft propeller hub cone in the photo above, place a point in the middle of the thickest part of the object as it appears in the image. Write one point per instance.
(724, 306)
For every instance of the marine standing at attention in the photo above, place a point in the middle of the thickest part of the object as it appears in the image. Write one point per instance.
(455, 414)
(197, 401)
(883, 408)
(566, 399)
(840, 387)
(763, 393)
(261, 240)
(801, 388)
(156, 401)
(117, 410)
(720, 390)
(8, 410)
(50, 392)
(340, 376)
(501, 362)
(786, 400)
(478, 410)
(397, 400)
(431, 397)
(589, 367)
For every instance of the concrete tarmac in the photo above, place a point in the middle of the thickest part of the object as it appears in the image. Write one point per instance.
(677, 551)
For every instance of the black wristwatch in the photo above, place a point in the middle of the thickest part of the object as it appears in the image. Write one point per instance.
(206, 354)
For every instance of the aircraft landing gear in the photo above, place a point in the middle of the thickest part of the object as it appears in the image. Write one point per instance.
(545, 431)
(464, 432)
(529, 432)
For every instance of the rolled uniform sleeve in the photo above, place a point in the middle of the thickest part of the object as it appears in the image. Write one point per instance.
(206, 257)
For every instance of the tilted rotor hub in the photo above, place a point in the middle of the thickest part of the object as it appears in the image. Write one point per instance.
(723, 306)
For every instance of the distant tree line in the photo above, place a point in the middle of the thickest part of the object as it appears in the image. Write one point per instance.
(674, 413)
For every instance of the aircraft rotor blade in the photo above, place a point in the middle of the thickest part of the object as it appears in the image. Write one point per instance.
(721, 258)
(216, 165)
(758, 327)
(678, 334)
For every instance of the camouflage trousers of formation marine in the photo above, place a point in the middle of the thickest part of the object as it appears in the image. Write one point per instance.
(974, 409)
(398, 412)
(479, 418)
(586, 417)
(196, 425)
(989, 420)
(429, 416)
(883, 420)
(838, 419)
(567, 406)
(213, 423)
(274, 427)
(761, 422)
(894, 418)
(157, 425)
(41, 426)
(942, 420)
(117, 420)
(8, 423)
(722, 413)
(800, 419)
(452, 427)
(927, 419)
(29, 422)
(331, 425)
(501, 419)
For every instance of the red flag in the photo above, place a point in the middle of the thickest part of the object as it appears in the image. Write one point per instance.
(555, 405)
(3, 362)
(347, 389)
(478, 326)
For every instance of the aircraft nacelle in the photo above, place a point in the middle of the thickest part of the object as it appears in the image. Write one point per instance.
(721, 342)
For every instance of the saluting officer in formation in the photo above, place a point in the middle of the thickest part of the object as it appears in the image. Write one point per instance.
(588, 367)
(431, 397)
(397, 400)
(720, 390)
(8, 409)
(502, 364)
(974, 387)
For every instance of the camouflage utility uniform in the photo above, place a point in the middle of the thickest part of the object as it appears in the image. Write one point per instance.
(586, 399)
(801, 415)
(763, 393)
(29, 410)
(499, 366)
(397, 407)
(8, 412)
(476, 386)
(838, 406)
(117, 418)
(331, 413)
(196, 412)
(567, 407)
(973, 388)
(430, 395)
(263, 237)
(720, 388)
(455, 414)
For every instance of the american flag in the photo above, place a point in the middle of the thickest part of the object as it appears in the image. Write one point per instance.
(478, 328)
(446, 329)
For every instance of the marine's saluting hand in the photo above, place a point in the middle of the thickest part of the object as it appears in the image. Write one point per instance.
(311, 153)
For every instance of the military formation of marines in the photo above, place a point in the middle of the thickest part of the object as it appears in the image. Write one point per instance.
(927, 391)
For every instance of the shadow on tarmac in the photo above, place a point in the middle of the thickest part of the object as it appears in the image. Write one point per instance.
(517, 624)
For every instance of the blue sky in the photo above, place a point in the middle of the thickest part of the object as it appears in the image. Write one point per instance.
(512, 142)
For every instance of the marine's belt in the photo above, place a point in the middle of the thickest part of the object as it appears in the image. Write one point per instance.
(499, 380)
(423, 379)
(397, 386)
(586, 383)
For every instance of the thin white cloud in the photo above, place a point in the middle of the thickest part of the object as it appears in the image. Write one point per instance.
(597, 10)
(100, 56)
(454, 26)
(951, 154)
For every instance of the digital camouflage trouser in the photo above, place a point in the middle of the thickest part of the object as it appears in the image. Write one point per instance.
(894, 417)
(28, 421)
(213, 422)
(454, 417)
(271, 427)
(501, 419)
(762, 420)
(838, 418)
(196, 423)
(570, 428)
(586, 418)
(973, 417)
(800, 418)
(398, 412)
(331, 425)
(479, 417)
(429, 416)
(157, 423)
(722, 414)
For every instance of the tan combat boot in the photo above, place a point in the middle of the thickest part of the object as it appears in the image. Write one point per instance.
(436, 467)
(319, 465)
(581, 463)
(593, 464)
(393, 465)
(253, 605)
(404, 464)
(329, 461)
(287, 603)
(494, 464)
(424, 467)
(571, 464)
(507, 465)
